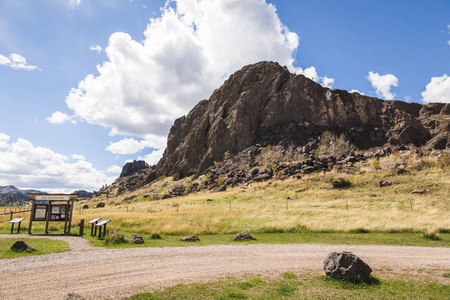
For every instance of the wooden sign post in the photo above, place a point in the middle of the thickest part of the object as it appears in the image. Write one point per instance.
(52, 207)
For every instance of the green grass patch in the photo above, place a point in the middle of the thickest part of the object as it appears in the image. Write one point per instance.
(43, 246)
(317, 287)
(371, 238)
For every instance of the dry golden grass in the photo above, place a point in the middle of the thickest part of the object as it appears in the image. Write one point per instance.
(263, 208)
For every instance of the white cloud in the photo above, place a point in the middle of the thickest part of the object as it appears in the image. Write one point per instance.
(78, 157)
(96, 48)
(356, 91)
(126, 146)
(327, 82)
(22, 164)
(4, 140)
(153, 158)
(74, 3)
(16, 62)
(187, 53)
(438, 90)
(114, 169)
(383, 84)
(58, 118)
(311, 73)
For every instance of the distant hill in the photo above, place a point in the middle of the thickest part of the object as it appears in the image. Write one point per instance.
(12, 196)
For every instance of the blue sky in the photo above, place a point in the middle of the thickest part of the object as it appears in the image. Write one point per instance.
(87, 85)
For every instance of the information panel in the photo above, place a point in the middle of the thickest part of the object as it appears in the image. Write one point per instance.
(40, 211)
(58, 213)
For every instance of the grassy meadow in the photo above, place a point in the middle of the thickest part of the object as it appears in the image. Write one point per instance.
(262, 208)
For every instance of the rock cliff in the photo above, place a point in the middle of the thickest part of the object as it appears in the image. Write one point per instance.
(265, 104)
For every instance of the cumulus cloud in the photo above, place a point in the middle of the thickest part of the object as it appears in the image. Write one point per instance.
(131, 146)
(383, 84)
(4, 140)
(17, 62)
(58, 118)
(187, 53)
(114, 169)
(153, 157)
(438, 90)
(25, 165)
(96, 48)
(356, 91)
(74, 3)
(78, 157)
(327, 82)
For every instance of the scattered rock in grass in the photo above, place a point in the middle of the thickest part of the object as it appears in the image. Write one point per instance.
(243, 236)
(418, 192)
(340, 265)
(289, 198)
(190, 238)
(222, 188)
(101, 204)
(136, 239)
(209, 200)
(401, 171)
(383, 183)
(21, 246)
(85, 206)
(299, 191)
(155, 236)
(72, 296)
(146, 195)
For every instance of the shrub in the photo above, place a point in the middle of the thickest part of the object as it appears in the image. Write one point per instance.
(376, 165)
(431, 235)
(332, 145)
(444, 160)
(341, 183)
(115, 238)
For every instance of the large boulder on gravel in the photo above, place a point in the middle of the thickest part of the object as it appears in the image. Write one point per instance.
(243, 236)
(136, 239)
(20, 246)
(190, 238)
(345, 264)
(72, 296)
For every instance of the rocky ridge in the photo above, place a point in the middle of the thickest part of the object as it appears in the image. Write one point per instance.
(265, 122)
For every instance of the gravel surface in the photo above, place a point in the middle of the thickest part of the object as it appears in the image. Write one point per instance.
(97, 273)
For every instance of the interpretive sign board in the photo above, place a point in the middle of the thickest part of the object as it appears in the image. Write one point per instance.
(40, 212)
(50, 197)
(58, 213)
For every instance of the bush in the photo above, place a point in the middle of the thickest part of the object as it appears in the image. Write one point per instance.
(341, 183)
(115, 238)
(332, 145)
(431, 235)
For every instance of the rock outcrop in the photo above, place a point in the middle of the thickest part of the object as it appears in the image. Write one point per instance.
(340, 265)
(265, 104)
(133, 167)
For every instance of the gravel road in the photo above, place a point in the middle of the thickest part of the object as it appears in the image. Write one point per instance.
(97, 273)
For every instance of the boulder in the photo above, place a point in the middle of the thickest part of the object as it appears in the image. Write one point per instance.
(21, 246)
(190, 238)
(418, 191)
(136, 239)
(243, 236)
(85, 206)
(340, 265)
(262, 177)
(383, 183)
(101, 204)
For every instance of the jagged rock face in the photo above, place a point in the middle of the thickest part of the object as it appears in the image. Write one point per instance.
(133, 167)
(265, 104)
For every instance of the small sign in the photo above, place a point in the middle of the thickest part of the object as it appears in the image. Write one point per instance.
(40, 212)
(58, 213)
(43, 197)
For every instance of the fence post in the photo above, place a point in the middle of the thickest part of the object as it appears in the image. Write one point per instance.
(11, 215)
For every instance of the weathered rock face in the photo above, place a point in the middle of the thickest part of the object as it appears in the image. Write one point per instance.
(133, 167)
(265, 104)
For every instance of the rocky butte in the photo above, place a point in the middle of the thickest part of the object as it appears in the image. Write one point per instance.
(264, 104)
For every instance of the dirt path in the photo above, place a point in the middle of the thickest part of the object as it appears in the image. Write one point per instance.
(116, 273)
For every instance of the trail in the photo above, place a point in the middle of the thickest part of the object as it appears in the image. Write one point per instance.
(97, 273)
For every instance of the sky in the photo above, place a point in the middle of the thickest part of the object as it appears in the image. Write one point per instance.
(88, 85)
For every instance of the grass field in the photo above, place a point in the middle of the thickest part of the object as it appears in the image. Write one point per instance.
(263, 208)
(43, 246)
(292, 286)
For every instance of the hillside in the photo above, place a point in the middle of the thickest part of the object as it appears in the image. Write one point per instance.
(12, 196)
